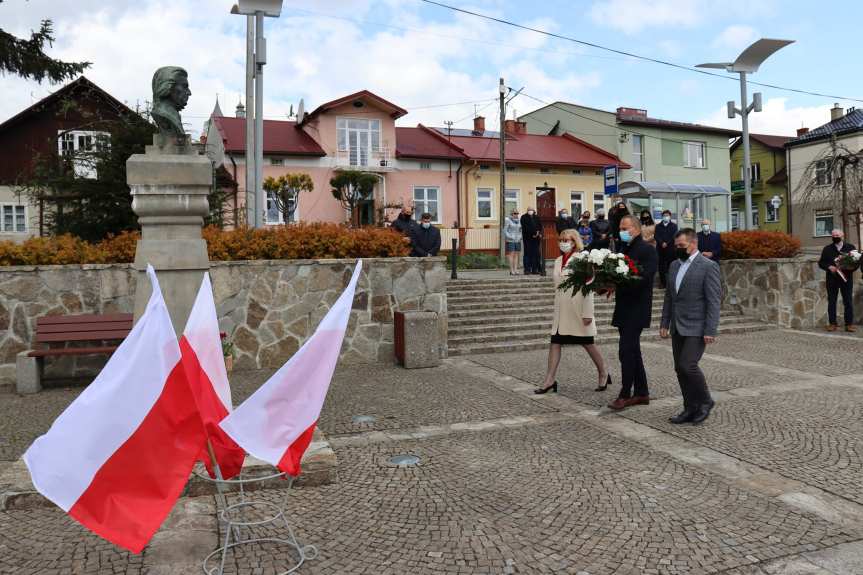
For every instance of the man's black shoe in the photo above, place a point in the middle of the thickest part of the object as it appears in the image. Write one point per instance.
(684, 416)
(702, 413)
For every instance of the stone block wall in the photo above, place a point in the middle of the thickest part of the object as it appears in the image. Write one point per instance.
(268, 308)
(789, 292)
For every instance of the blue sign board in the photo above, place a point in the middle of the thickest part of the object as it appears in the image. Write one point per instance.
(610, 173)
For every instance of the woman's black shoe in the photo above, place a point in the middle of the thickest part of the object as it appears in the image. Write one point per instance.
(552, 388)
(604, 387)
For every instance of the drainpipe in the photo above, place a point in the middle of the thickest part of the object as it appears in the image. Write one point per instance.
(467, 190)
(458, 195)
(788, 224)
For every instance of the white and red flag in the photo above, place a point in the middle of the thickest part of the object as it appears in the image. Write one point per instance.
(204, 363)
(277, 422)
(118, 457)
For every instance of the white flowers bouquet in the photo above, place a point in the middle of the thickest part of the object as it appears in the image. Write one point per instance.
(848, 262)
(599, 271)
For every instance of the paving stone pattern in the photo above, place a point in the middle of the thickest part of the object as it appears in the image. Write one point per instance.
(556, 498)
(812, 436)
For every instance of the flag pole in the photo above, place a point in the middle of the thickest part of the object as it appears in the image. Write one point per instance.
(220, 495)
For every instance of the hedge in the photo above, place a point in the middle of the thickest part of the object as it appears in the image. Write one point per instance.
(759, 245)
(301, 241)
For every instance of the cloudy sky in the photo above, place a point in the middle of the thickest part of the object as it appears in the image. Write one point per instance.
(440, 65)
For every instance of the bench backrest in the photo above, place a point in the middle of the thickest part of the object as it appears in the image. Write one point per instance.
(63, 328)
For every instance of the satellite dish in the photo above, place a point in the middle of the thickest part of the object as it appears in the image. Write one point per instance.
(301, 111)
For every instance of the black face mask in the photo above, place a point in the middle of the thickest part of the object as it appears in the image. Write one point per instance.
(837, 240)
(681, 253)
(645, 221)
(600, 217)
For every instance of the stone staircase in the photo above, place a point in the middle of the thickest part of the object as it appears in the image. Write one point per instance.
(514, 314)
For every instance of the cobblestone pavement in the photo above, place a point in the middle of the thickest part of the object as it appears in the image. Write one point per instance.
(771, 484)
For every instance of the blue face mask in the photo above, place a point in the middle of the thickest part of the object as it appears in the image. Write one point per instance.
(625, 236)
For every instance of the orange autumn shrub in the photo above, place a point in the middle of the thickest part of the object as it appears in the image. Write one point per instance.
(301, 241)
(758, 245)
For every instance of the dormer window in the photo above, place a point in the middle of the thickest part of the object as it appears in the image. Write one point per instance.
(357, 133)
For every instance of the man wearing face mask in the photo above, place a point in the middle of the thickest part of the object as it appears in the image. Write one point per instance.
(709, 242)
(531, 235)
(404, 222)
(601, 229)
(665, 232)
(835, 284)
(633, 308)
(425, 238)
(585, 231)
(690, 315)
(564, 222)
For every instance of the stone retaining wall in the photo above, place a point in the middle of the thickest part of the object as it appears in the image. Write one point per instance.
(268, 308)
(788, 292)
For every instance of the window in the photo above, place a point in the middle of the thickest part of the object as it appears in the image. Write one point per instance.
(425, 165)
(484, 203)
(274, 215)
(637, 157)
(772, 214)
(576, 172)
(512, 202)
(823, 173)
(823, 223)
(545, 170)
(735, 220)
(427, 199)
(277, 161)
(14, 218)
(484, 167)
(575, 204)
(76, 147)
(358, 137)
(598, 202)
(755, 172)
(510, 168)
(693, 154)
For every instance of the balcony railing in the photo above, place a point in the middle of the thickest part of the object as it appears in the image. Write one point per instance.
(377, 160)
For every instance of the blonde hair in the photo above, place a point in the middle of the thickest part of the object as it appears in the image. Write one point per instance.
(574, 236)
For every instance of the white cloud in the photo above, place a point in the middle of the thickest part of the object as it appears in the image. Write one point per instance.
(775, 118)
(735, 38)
(632, 16)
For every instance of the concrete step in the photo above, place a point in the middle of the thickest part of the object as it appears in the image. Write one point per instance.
(492, 305)
(542, 342)
(461, 327)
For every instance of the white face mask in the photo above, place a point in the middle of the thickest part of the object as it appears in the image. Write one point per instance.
(563, 214)
(666, 219)
(426, 225)
(530, 212)
(565, 247)
(705, 228)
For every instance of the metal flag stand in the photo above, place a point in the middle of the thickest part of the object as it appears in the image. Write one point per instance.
(234, 519)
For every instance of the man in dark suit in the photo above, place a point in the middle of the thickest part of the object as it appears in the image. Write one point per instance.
(665, 232)
(690, 314)
(835, 284)
(709, 242)
(633, 306)
(405, 223)
(425, 238)
(564, 221)
(531, 235)
(600, 229)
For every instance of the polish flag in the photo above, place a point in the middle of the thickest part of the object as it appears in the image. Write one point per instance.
(204, 363)
(118, 457)
(277, 422)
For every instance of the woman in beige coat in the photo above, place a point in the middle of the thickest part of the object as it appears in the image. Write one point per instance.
(573, 322)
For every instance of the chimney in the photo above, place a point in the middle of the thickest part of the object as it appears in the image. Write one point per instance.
(479, 124)
(836, 112)
(520, 127)
(241, 110)
(802, 131)
(509, 126)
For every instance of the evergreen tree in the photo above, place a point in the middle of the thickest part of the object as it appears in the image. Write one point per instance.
(27, 57)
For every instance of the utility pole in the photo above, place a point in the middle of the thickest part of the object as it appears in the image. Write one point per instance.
(251, 172)
(502, 195)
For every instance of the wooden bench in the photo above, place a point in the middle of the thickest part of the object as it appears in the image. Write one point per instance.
(54, 333)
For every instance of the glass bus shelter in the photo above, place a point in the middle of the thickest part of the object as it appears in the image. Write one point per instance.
(689, 203)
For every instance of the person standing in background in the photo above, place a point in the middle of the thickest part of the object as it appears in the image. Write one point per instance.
(836, 284)
(617, 213)
(601, 231)
(564, 221)
(404, 223)
(664, 234)
(425, 238)
(585, 231)
(531, 236)
(648, 228)
(709, 242)
(512, 235)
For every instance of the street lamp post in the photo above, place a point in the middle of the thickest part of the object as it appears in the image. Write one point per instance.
(748, 62)
(256, 9)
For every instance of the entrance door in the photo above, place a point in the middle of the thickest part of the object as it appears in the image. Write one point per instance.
(546, 208)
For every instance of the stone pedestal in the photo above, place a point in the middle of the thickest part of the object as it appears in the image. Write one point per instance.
(170, 183)
(421, 345)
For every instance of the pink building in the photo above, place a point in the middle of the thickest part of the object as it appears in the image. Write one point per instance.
(414, 166)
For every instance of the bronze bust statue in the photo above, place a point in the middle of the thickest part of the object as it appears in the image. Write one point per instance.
(170, 95)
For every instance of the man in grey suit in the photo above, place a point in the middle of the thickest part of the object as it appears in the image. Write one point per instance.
(690, 315)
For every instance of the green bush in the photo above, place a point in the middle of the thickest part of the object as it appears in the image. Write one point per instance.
(476, 261)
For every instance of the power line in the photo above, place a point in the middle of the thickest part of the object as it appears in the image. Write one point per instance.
(630, 54)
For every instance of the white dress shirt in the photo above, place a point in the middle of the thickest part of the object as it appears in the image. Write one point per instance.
(682, 271)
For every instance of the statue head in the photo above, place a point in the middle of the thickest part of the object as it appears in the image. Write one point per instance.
(170, 95)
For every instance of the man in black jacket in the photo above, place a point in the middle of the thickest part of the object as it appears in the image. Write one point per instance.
(404, 222)
(531, 235)
(564, 222)
(633, 307)
(835, 283)
(601, 229)
(664, 235)
(425, 238)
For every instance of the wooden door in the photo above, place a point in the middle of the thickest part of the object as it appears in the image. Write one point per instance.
(546, 208)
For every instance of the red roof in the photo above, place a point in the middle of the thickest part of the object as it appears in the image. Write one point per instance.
(422, 142)
(281, 137)
(563, 150)
(394, 111)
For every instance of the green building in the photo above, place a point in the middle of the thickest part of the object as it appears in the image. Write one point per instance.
(769, 183)
(660, 152)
